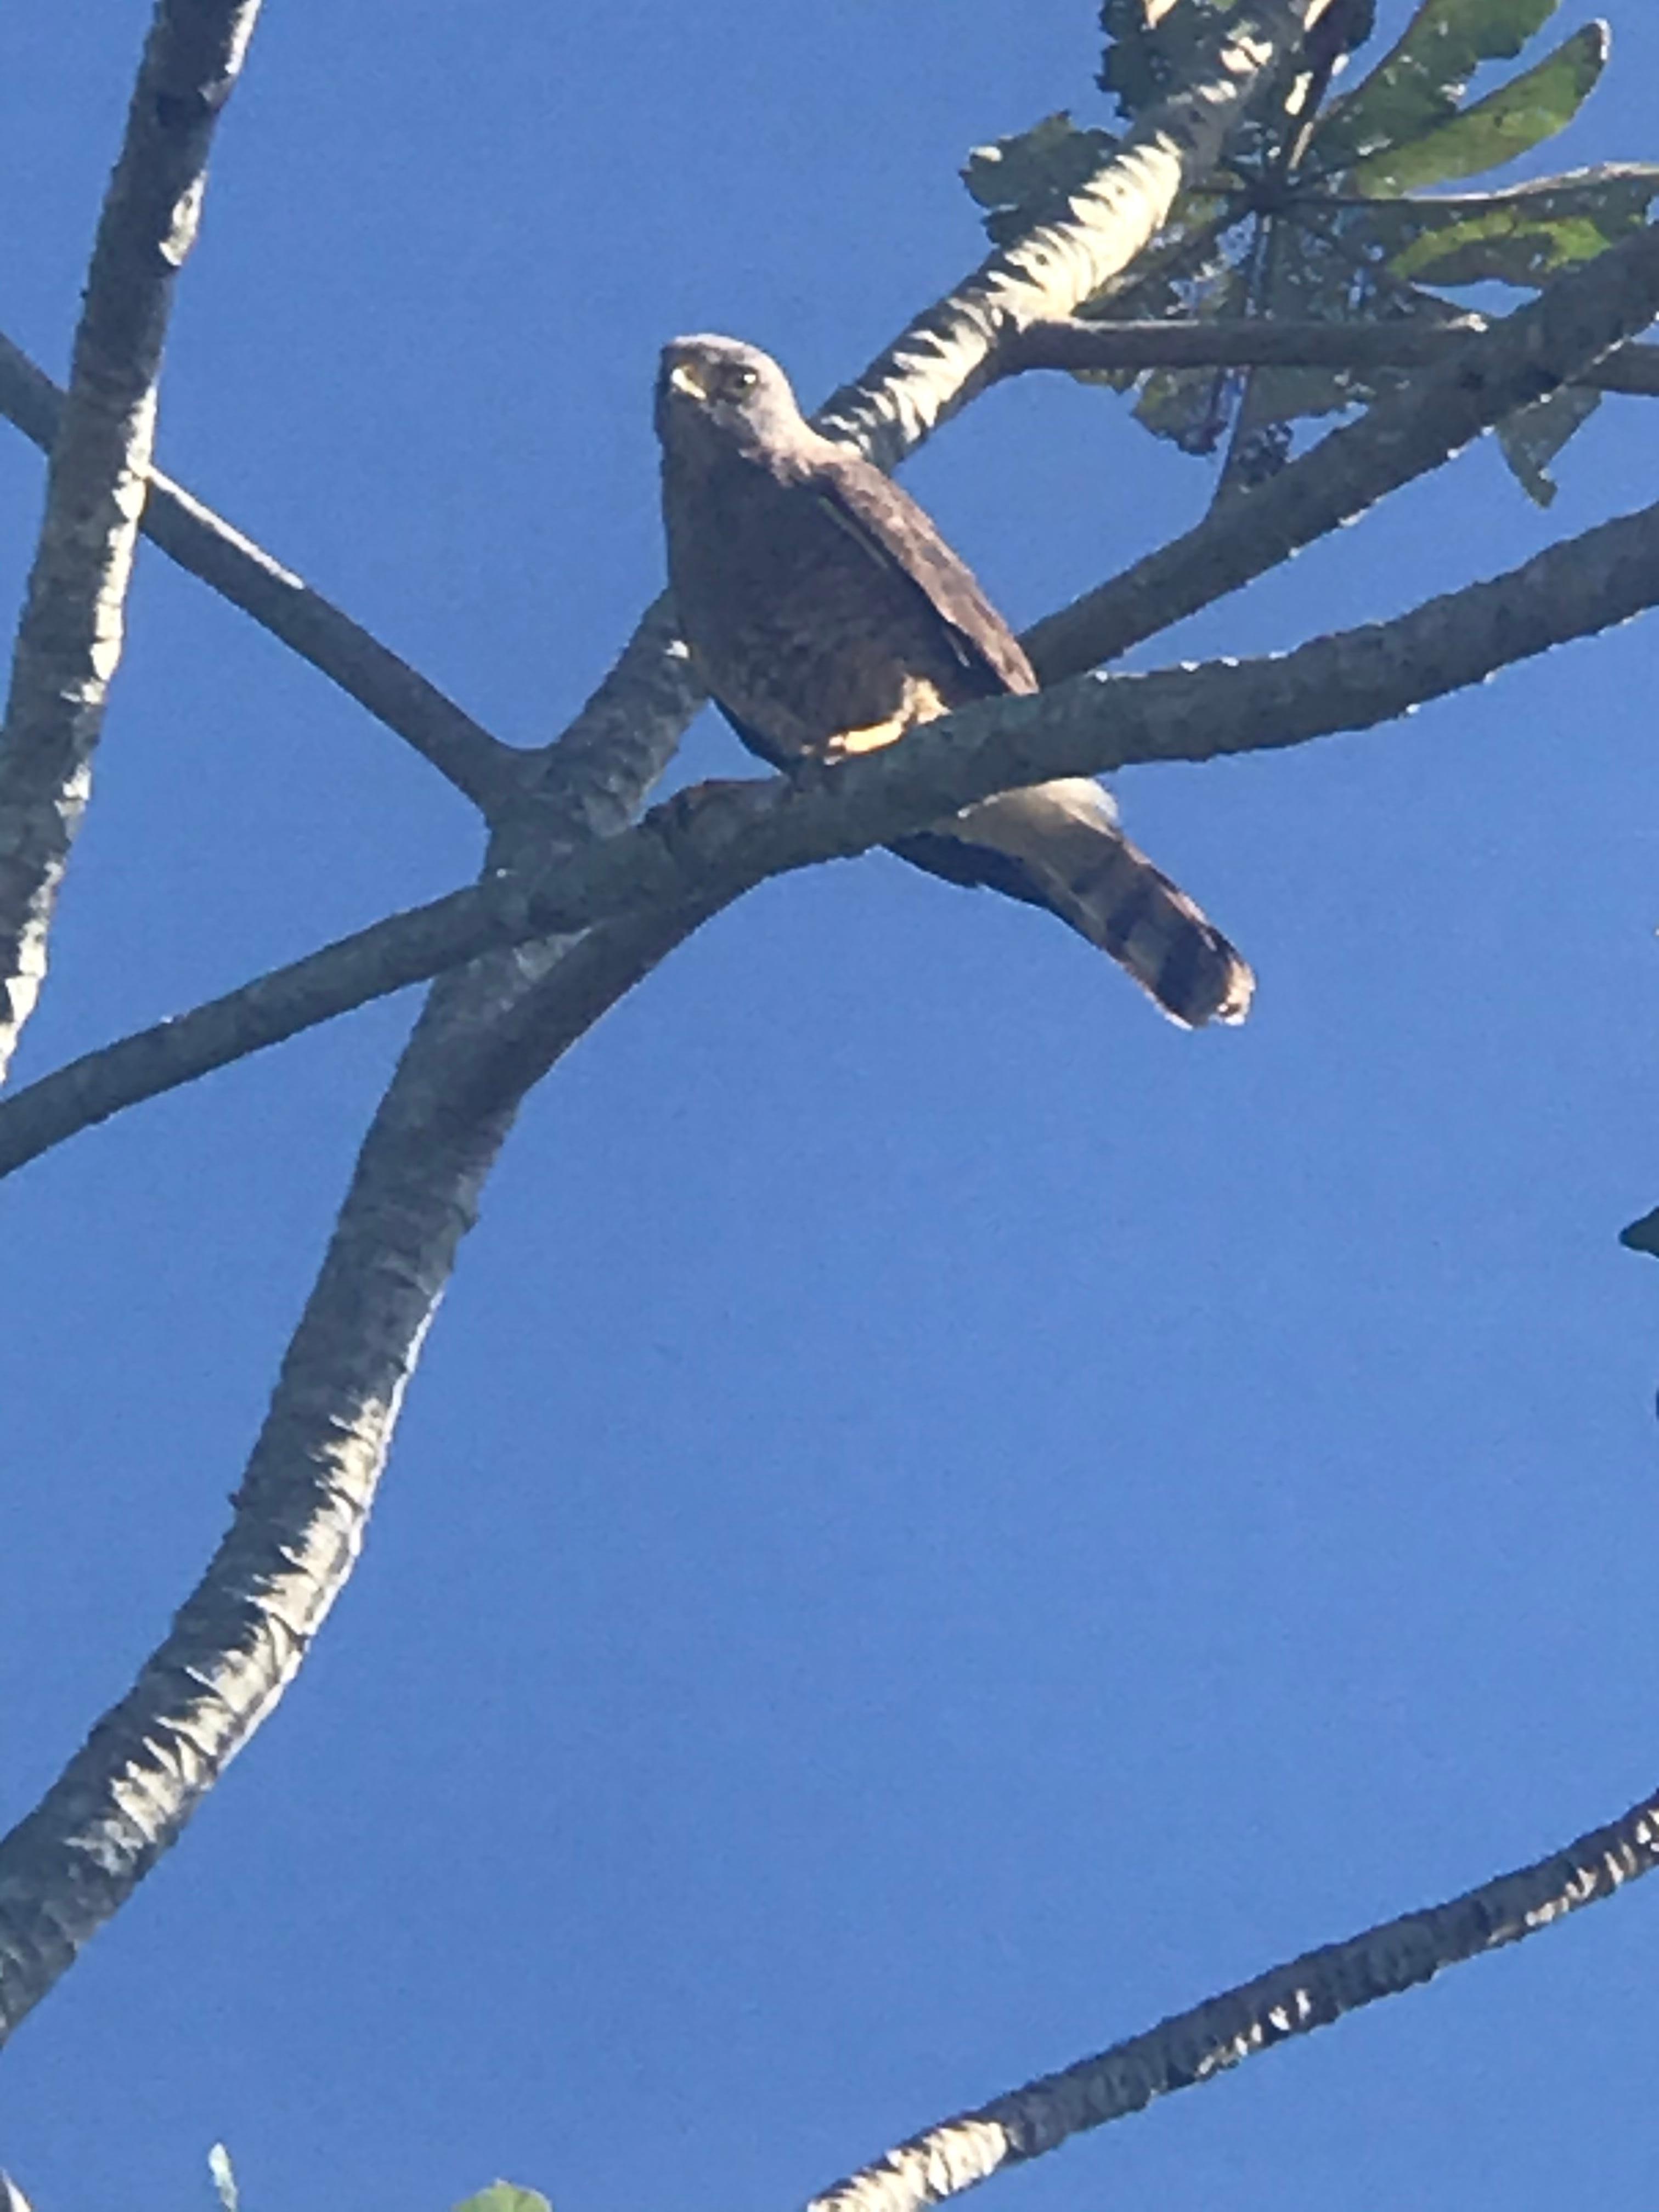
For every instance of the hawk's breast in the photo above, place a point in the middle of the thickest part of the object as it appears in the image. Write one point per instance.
(802, 632)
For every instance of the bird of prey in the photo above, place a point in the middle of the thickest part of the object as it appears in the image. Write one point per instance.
(826, 616)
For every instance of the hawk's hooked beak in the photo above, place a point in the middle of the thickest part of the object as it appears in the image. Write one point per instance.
(686, 376)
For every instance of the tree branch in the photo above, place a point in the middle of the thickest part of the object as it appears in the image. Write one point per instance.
(301, 1510)
(950, 352)
(1576, 321)
(125, 1796)
(69, 642)
(705, 847)
(1236, 343)
(1195, 2046)
(477, 763)
(938, 364)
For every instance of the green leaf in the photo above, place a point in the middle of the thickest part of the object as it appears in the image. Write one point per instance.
(505, 2197)
(1533, 436)
(1025, 179)
(1518, 116)
(1420, 82)
(1523, 235)
(1142, 63)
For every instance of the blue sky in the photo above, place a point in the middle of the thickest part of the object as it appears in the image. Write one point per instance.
(942, 1520)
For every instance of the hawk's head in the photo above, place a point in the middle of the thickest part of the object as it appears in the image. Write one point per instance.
(715, 391)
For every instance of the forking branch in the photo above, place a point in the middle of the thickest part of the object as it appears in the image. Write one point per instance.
(490, 1030)
(73, 1861)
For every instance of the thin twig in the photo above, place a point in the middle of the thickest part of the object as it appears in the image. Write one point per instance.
(1195, 2046)
(477, 763)
(69, 642)
(705, 847)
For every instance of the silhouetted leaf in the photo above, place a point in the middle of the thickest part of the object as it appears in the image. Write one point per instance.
(1143, 60)
(1026, 179)
(1533, 436)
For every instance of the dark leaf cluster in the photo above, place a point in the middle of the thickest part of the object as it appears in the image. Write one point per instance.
(1333, 208)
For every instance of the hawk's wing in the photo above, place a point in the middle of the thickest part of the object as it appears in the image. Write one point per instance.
(900, 537)
(1055, 845)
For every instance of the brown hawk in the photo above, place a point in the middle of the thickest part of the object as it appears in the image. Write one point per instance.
(826, 616)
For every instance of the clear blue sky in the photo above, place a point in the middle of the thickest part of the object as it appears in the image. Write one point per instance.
(942, 1520)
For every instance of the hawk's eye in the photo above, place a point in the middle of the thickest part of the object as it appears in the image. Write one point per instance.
(744, 379)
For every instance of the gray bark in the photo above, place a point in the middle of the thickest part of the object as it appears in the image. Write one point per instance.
(203, 543)
(69, 643)
(705, 847)
(1077, 345)
(1195, 2046)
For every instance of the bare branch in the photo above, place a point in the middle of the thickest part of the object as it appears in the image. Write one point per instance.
(69, 642)
(1309, 1992)
(621, 740)
(705, 847)
(600, 967)
(1576, 321)
(1236, 343)
(197, 539)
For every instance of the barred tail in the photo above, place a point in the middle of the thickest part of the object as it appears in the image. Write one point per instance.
(1057, 845)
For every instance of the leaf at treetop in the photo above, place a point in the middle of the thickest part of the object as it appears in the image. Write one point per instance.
(1518, 116)
(1025, 178)
(1523, 235)
(1143, 60)
(1533, 436)
(1420, 81)
(505, 2197)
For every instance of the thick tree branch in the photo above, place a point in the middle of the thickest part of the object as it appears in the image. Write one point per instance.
(600, 967)
(947, 355)
(208, 546)
(69, 642)
(1076, 345)
(1577, 320)
(1195, 2046)
(705, 847)
(300, 1513)
(124, 1798)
